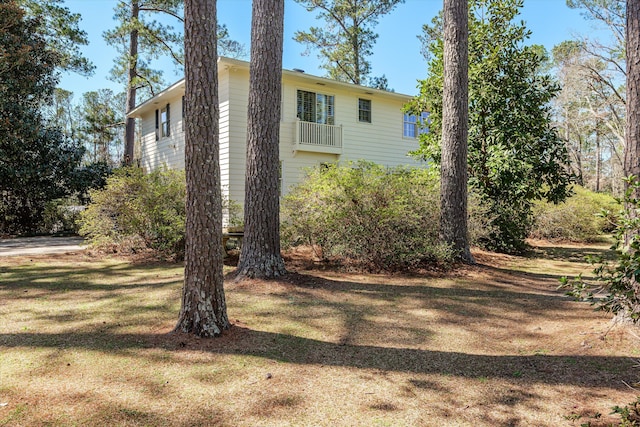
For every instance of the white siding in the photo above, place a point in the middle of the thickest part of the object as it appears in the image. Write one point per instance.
(166, 151)
(380, 141)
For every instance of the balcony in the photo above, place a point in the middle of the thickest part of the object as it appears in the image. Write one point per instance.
(317, 138)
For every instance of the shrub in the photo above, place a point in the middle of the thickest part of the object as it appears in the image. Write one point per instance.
(61, 216)
(377, 218)
(617, 284)
(136, 211)
(576, 219)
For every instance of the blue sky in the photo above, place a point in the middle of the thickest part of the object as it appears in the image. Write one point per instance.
(396, 53)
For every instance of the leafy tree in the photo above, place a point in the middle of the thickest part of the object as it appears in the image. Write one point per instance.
(455, 121)
(61, 31)
(260, 256)
(203, 311)
(515, 155)
(36, 162)
(347, 38)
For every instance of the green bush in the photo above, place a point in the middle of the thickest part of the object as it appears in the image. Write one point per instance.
(137, 210)
(61, 216)
(142, 211)
(577, 219)
(372, 216)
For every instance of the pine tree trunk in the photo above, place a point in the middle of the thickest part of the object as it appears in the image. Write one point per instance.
(260, 254)
(632, 146)
(130, 127)
(203, 309)
(455, 117)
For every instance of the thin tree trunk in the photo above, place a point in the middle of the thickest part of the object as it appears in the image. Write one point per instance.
(455, 117)
(203, 311)
(260, 254)
(130, 127)
(598, 157)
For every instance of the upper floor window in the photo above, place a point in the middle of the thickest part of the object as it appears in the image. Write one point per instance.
(364, 110)
(183, 112)
(414, 125)
(315, 107)
(165, 121)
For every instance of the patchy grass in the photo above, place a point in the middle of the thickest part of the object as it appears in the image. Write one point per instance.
(85, 341)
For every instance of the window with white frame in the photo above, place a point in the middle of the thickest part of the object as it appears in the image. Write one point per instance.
(414, 125)
(315, 107)
(165, 121)
(364, 110)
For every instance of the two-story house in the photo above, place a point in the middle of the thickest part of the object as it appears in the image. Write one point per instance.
(322, 121)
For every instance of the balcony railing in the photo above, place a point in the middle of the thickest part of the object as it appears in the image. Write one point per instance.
(317, 137)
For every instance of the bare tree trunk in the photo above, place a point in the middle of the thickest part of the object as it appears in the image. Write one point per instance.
(130, 127)
(204, 310)
(632, 145)
(455, 118)
(598, 157)
(260, 254)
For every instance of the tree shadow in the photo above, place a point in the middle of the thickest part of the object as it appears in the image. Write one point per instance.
(574, 370)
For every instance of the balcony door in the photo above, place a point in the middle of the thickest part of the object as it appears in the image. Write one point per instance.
(315, 107)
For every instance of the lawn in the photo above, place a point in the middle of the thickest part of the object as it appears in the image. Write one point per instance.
(86, 340)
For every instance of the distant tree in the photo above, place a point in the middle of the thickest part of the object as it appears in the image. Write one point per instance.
(60, 28)
(36, 162)
(347, 39)
(455, 122)
(380, 83)
(590, 117)
(102, 125)
(515, 154)
(260, 255)
(203, 311)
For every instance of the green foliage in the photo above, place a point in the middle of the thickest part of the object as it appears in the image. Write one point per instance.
(36, 161)
(137, 210)
(61, 216)
(577, 219)
(629, 415)
(346, 39)
(515, 155)
(617, 284)
(62, 33)
(376, 218)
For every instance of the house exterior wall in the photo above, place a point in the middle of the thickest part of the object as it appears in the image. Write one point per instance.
(380, 141)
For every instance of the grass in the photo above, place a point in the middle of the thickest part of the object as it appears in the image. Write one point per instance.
(85, 341)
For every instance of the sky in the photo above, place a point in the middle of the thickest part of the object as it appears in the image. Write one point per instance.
(396, 53)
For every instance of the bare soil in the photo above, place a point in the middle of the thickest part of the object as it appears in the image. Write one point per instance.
(85, 340)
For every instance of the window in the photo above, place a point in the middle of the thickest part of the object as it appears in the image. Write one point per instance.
(315, 107)
(183, 113)
(157, 126)
(364, 110)
(165, 122)
(412, 127)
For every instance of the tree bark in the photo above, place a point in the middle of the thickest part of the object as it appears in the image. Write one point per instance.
(203, 309)
(455, 118)
(632, 141)
(260, 254)
(130, 127)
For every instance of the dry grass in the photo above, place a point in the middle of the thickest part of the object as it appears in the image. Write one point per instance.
(85, 341)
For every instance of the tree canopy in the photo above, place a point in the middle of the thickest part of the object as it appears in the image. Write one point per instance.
(36, 161)
(346, 40)
(515, 154)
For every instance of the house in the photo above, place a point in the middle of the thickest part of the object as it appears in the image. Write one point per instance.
(322, 121)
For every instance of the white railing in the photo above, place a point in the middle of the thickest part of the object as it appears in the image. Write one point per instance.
(311, 135)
